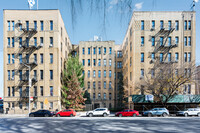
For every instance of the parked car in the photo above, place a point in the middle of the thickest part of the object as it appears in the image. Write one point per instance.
(127, 112)
(41, 113)
(66, 112)
(189, 112)
(98, 112)
(156, 112)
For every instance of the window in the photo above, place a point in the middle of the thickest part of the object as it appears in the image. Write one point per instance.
(35, 41)
(185, 25)
(104, 96)
(161, 57)
(110, 50)
(130, 46)
(152, 73)
(88, 62)
(169, 24)
(41, 25)
(185, 41)
(119, 64)
(142, 73)
(83, 62)
(177, 25)
(51, 90)
(119, 54)
(94, 85)
(20, 105)
(8, 91)
(51, 105)
(99, 73)
(35, 25)
(104, 50)
(20, 27)
(27, 25)
(104, 62)
(104, 73)
(110, 62)
(99, 50)
(61, 31)
(8, 25)
(13, 42)
(8, 74)
(13, 105)
(88, 50)
(104, 84)
(142, 57)
(189, 25)
(88, 73)
(161, 24)
(51, 58)
(94, 74)
(41, 105)
(99, 62)
(51, 25)
(61, 46)
(94, 62)
(189, 57)
(41, 74)
(13, 91)
(35, 58)
(51, 74)
(131, 76)
(169, 57)
(8, 58)
(176, 57)
(27, 58)
(88, 85)
(185, 57)
(41, 90)
(153, 41)
(176, 40)
(13, 25)
(142, 25)
(110, 73)
(189, 89)
(83, 50)
(153, 56)
(142, 41)
(20, 74)
(131, 31)
(99, 84)
(153, 24)
(94, 50)
(41, 58)
(51, 42)
(83, 73)
(35, 74)
(161, 41)
(27, 91)
(110, 85)
(41, 41)
(13, 75)
(189, 41)
(35, 91)
(93, 95)
(169, 41)
(8, 41)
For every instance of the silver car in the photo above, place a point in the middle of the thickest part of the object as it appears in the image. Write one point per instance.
(189, 112)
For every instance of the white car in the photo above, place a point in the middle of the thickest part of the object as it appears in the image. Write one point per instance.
(98, 112)
(189, 112)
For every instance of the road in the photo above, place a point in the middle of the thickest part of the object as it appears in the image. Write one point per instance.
(100, 124)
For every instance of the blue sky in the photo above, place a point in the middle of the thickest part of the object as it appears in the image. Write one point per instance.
(88, 25)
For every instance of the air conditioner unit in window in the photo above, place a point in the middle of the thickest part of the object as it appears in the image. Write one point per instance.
(19, 22)
(51, 45)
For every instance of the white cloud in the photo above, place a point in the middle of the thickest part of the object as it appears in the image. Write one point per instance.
(196, 0)
(114, 2)
(138, 6)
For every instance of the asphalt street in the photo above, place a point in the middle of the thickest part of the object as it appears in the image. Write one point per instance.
(100, 124)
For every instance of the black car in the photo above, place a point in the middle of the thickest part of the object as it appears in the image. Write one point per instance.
(41, 113)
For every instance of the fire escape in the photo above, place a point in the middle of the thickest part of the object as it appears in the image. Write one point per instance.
(24, 35)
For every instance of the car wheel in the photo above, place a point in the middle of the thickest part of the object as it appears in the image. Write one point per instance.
(58, 115)
(46, 115)
(90, 115)
(150, 115)
(198, 114)
(31, 115)
(104, 114)
(164, 114)
(120, 115)
(186, 114)
(134, 115)
(71, 115)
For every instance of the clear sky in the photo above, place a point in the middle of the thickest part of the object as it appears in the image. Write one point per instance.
(87, 25)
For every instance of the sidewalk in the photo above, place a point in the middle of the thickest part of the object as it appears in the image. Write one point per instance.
(13, 115)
